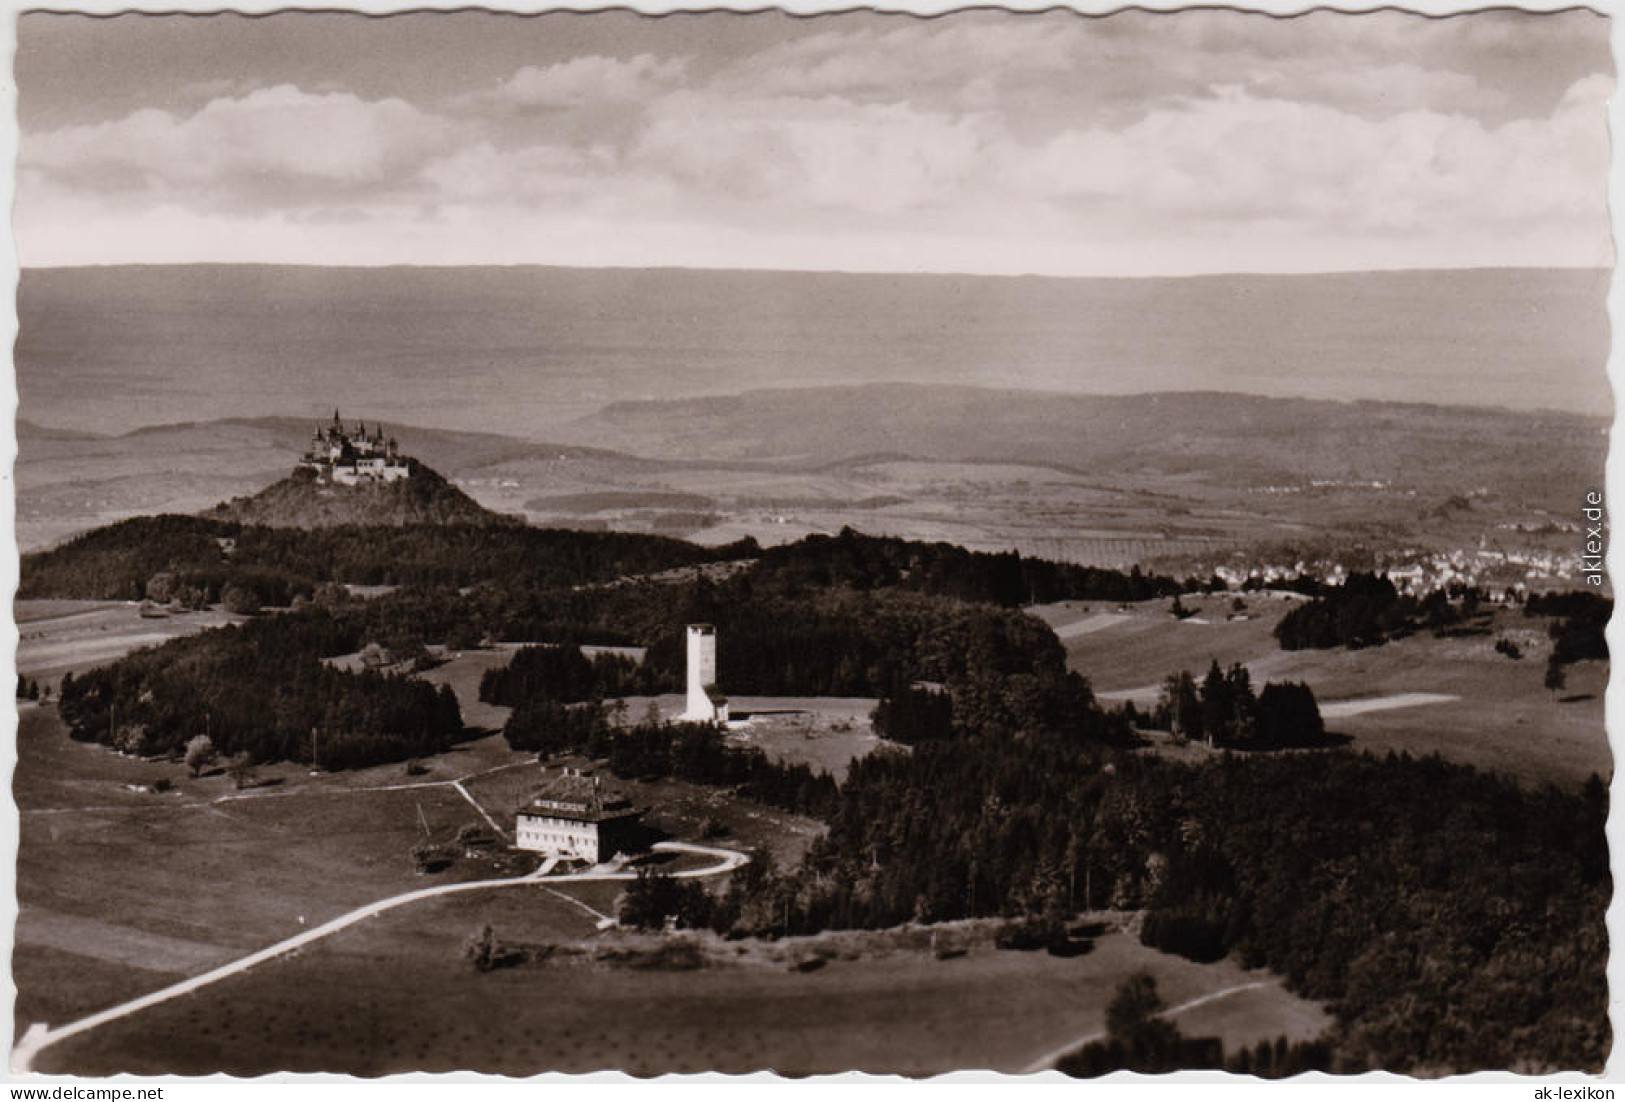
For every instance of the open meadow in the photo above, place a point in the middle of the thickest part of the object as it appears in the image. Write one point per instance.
(173, 883)
(396, 994)
(55, 637)
(123, 889)
(825, 733)
(1454, 695)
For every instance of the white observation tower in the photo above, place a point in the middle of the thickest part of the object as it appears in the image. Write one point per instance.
(703, 704)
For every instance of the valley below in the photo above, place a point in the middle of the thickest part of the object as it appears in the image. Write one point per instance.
(1181, 483)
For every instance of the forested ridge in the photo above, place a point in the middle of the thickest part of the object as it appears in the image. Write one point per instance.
(118, 561)
(853, 561)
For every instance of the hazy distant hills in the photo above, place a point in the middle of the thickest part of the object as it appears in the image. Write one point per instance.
(282, 437)
(518, 351)
(820, 376)
(1215, 436)
(984, 467)
(69, 481)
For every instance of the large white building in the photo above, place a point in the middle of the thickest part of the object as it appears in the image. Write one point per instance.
(704, 704)
(573, 816)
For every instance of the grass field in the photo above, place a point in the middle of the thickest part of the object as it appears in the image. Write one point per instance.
(1503, 718)
(178, 885)
(883, 1002)
(122, 891)
(120, 888)
(824, 733)
(28, 612)
(59, 636)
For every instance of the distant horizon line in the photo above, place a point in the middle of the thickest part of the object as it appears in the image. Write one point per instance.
(528, 265)
(21, 419)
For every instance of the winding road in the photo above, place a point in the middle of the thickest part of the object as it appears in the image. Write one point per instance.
(39, 1037)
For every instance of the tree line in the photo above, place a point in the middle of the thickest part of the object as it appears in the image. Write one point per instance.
(651, 750)
(1580, 621)
(117, 561)
(1366, 610)
(1139, 1039)
(854, 561)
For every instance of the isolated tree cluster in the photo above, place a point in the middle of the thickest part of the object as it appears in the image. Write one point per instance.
(1224, 711)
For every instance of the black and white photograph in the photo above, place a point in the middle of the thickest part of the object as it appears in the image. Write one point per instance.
(1041, 543)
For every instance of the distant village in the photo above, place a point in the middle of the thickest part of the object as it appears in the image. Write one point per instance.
(1501, 575)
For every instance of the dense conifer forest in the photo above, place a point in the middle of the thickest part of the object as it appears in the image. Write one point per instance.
(854, 561)
(117, 562)
(261, 690)
(1450, 919)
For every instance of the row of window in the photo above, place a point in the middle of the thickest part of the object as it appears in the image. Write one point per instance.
(574, 839)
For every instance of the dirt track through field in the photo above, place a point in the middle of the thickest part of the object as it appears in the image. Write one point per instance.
(458, 785)
(1089, 625)
(39, 1036)
(1343, 709)
(1048, 1061)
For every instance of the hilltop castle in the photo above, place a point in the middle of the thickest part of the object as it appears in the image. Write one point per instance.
(352, 457)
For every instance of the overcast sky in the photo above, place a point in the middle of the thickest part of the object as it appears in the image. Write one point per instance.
(1133, 144)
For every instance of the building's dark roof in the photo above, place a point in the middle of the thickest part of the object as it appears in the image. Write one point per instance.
(579, 798)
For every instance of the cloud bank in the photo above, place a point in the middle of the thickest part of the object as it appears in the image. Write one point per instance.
(1129, 145)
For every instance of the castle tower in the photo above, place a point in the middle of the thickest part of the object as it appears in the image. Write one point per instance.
(702, 674)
